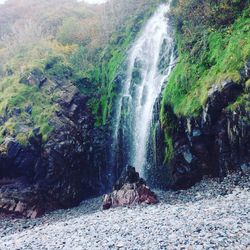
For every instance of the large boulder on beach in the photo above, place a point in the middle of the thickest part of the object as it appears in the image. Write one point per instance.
(130, 189)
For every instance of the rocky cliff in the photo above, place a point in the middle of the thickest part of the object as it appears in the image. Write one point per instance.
(203, 128)
(55, 125)
(61, 171)
(55, 105)
(212, 144)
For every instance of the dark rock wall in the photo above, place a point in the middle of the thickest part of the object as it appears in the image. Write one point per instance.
(76, 161)
(156, 174)
(215, 143)
(70, 166)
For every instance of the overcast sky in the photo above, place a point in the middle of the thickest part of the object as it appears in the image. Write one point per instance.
(88, 1)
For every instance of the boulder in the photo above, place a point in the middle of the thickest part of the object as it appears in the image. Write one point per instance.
(34, 78)
(20, 197)
(130, 189)
(245, 168)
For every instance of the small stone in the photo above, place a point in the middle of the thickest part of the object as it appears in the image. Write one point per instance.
(120, 244)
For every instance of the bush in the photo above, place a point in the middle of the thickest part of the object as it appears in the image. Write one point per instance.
(209, 52)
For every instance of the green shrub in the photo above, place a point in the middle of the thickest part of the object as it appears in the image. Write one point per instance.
(213, 45)
(112, 61)
(220, 56)
(15, 95)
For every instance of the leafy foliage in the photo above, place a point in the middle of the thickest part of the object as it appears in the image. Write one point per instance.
(111, 61)
(210, 50)
(213, 45)
(66, 41)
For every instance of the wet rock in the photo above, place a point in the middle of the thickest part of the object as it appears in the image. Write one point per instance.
(28, 109)
(9, 72)
(245, 168)
(218, 99)
(129, 190)
(16, 111)
(214, 143)
(18, 196)
(35, 77)
(129, 175)
(60, 172)
(245, 73)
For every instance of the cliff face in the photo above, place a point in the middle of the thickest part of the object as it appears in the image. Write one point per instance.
(214, 143)
(55, 138)
(205, 106)
(56, 110)
(61, 171)
(201, 121)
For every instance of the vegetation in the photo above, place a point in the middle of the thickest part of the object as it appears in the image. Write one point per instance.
(111, 60)
(64, 41)
(169, 126)
(24, 106)
(67, 41)
(213, 45)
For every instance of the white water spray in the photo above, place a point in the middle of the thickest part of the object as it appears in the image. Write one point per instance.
(149, 65)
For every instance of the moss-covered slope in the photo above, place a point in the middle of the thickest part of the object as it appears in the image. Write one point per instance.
(213, 45)
(112, 62)
(213, 40)
(28, 100)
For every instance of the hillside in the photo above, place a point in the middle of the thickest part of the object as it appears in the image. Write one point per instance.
(59, 39)
(53, 101)
(89, 90)
(208, 90)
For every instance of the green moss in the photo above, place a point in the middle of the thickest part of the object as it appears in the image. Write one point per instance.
(17, 94)
(22, 138)
(210, 50)
(15, 97)
(243, 101)
(112, 62)
(16, 91)
(248, 85)
(60, 70)
(222, 54)
(169, 149)
(169, 124)
(10, 126)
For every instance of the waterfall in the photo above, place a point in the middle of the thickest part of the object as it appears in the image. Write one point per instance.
(150, 61)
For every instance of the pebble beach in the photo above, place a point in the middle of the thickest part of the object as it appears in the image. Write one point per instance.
(210, 215)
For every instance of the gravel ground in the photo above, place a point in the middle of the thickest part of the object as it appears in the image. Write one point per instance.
(211, 215)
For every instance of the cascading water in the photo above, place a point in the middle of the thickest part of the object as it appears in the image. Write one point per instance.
(150, 63)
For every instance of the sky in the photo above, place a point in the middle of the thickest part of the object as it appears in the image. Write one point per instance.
(88, 1)
(95, 1)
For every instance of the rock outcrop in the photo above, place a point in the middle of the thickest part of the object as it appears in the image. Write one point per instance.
(130, 189)
(214, 143)
(61, 171)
